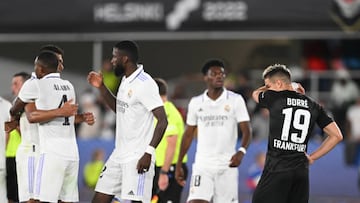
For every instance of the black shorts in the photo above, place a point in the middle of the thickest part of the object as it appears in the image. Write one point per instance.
(11, 179)
(173, 192)
(290, 186)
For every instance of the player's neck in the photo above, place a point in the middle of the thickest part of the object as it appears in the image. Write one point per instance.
(214, 93)
(130, 69)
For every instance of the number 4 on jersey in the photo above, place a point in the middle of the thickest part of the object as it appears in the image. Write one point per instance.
(63, 100)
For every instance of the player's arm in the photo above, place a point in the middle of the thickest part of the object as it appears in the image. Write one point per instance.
(257, 92)
(96, 80)
(185, 144)
(333, 138)
(39, 116)
(169, 156)
(16, 109)
(144, 162)
(245, 128)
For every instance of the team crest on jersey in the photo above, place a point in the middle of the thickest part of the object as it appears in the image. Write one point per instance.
(227, 108)
(129, 93)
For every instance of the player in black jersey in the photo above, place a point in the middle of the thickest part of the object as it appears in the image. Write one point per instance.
(293, 115)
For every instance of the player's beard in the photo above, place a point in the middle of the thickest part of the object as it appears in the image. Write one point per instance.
(119, 70)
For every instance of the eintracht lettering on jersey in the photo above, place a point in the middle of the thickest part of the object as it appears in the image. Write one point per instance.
(289, 146)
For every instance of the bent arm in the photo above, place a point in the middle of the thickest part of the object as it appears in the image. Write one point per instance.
(16, 109)
(257, 92)
(334, 137)
(96, 80)
(39, 116)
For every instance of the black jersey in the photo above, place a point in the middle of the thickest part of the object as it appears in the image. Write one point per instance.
(292, 119)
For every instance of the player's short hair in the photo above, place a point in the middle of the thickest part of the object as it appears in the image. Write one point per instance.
(48, 60)
(277, 70)
(23, 75)
(162, 86)
(53, 48)
(130, 48)
(211, 63)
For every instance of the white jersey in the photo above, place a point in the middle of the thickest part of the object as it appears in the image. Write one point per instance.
(217, 123)
(137, 96)
(29, 133)
(58, 135)
(4, 116)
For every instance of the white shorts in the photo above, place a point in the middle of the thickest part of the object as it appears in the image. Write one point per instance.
(221, 185)
(3, 194)
(123, 180)
(26, 160)
(56, 179)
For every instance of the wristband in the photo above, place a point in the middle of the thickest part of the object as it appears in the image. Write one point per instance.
(243, 150)
(150, 150)
(163, 172)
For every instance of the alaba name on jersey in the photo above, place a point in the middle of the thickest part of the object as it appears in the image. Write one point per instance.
(217, 123)
(58, 135)
(137, 96)
(292, 119)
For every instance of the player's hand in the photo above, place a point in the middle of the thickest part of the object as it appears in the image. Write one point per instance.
(179, 175)
(163, 181)
(68, 109)
(298, 87)
(311, 161)
(95, 79)
(235, 160)
(10, 125)
(88, 118)
(143, 164)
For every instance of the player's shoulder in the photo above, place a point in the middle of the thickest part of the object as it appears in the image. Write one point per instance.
(197, 99)
(233, 95)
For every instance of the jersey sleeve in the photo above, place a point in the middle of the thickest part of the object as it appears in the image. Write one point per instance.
(29, 92)
(241, 111)
(191, 118)
(265, 98)
(323, 120)
(149, 95)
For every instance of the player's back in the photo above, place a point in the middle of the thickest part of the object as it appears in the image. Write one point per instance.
(58, 135)
(292, 119)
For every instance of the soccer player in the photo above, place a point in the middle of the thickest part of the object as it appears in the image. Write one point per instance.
(28, 151)
(50, 92)
(216, 115)
(129, 171)
(13, 142)
(4, 117)
(285, 178)
(166, 188)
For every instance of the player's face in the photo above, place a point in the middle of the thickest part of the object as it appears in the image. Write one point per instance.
(38, 69)
(215, 77)
(61, 63)
(273, 84)
(16, 84)
(118, 62)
